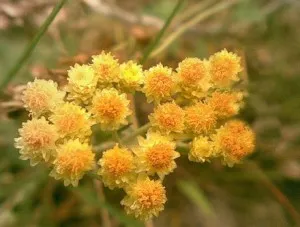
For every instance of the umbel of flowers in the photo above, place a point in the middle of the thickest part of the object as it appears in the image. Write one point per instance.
(194, 105)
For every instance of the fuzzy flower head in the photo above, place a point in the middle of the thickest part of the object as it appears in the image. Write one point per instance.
(145, 198)
(106, 67)
(41, 97)
(110, 109)
(234, 141)
(73, 160)
(200, 118)
(201, 150)
(131, 76)
(82, 83)
(71, 121)
(37, 141)
(117, 167)
(159, 84)
(156, 155)
(225, 104)
(193, 77)
(168, 118)
(224, 68)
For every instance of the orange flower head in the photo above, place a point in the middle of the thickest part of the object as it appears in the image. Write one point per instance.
(224, 68)
(159, 84)
(110, 109)
(145, 198)
(200, 118)
(234, 141)
(117, 167)
(41, 97)
(73, 160)
(37, 141)
(168, 118)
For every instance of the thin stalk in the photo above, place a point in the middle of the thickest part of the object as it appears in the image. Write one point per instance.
(200, 17)
(117, 137)
(29, 49)
(161, 32)
(139, 131)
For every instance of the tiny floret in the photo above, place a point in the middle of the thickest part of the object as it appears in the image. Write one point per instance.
(145, 198)
(110, 109)
(82, 82)
(168, 118)
(41, 97)
(200, 118)
(156, 155)
(201, 150)
(117, 167)
(73, 160)
(225, 104)
(72, 121)
(224, 68)
(234, 141)
(131, 76)
(159, 83)
(106, 67)
(193, 77)
(37, 141)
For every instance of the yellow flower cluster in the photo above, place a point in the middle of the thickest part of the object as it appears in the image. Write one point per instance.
(193, 105)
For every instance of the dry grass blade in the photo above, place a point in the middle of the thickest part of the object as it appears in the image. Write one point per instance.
(213, 10)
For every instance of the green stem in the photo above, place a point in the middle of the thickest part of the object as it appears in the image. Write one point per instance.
(139, 131)
(29, 49)
(117, 137)
(161, 32)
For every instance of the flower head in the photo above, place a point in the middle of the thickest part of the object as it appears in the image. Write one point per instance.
(159, 83)
(224, 68)
(234, 141)
(82, 83)
(117, 167)
(145, 198)
(73, 160)
(110, 109)
(225, 104)
(193, 77)
(202, 150)
(200, 118)
(168, 118)
(131, 76)
(106, 67)
(72, 121)
(42, 96)
(156, 154)
(37, 140)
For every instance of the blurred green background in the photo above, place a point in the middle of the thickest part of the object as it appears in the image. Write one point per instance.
(264, 191)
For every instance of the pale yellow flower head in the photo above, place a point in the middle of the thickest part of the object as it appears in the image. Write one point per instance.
(193, 77)
(72, 121)
(234, 141)
(41, 97)
(201, 150)
(168, 118)
(110, 109)
(226, 104)
(37, 141)
(82, 83)
(224, 68)
(159, 84)
(145, 198)
(106, 67)
(73, 160)
(117, 167)
(131, 76)
(156, 155)
(200, 118)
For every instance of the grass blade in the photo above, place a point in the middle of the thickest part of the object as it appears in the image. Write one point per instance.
(28, 50)
(161, 32)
